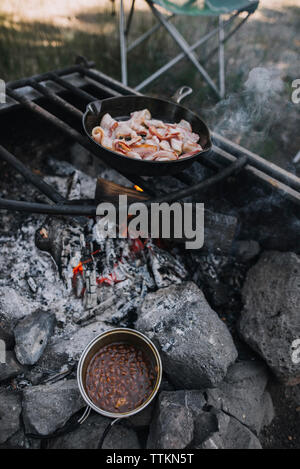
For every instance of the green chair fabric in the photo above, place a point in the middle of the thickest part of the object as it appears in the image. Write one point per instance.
(207, 7)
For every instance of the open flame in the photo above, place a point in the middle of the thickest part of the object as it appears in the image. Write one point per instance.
(137, 188)
(137, 245)
(78, 269)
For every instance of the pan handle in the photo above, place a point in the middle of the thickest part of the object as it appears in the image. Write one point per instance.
(181, 93)
(94, 107)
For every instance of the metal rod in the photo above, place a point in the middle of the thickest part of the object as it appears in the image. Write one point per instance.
(50, 118)
(238, 165)
(34, 179)
(42, 77)
(31, 207)
(221, 58)
(147, 34)
(123, 44)
(103, 89)
(179, 39)
(257, 161)
(83, 210)
(228, 36)
(263, 167)
(185, 178)
(55, 98)
(65, 84)
(130, 16)
(115, 86)
(264, 178)
(97, 83)
(72, 133)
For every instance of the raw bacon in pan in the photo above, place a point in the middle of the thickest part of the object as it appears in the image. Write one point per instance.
(142, 137)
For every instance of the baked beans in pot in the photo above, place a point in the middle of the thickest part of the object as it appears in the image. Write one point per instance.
(119, 373)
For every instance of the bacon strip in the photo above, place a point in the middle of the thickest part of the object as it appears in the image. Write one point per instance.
(142, 137)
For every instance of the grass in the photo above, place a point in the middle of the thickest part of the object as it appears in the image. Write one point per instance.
(40, 35)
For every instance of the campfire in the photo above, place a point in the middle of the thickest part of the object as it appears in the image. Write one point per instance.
(224, 317)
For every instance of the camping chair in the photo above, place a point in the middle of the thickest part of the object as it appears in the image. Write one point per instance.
(207, 8)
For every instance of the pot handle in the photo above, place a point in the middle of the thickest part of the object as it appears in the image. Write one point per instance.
(68, 428)
(94, 107)
(106, 431)
(181, 93)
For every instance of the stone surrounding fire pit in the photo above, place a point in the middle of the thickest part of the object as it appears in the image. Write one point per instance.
(61, 286)
(270, 321)
(195, 344)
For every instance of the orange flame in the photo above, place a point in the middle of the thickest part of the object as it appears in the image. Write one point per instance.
(78, 269)
(137, 188)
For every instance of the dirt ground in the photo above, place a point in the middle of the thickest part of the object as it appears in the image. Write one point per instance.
(283, 433)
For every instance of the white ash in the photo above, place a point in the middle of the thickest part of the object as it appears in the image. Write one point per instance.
(116, 274)
(24, 260)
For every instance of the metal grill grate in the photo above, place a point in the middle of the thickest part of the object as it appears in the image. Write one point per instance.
(226, 158)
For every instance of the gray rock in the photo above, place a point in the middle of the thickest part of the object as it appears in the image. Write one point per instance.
(269, 410)
(168, 428)
(69, 348)
(243, 395)
(166, 385)
(11, 368)
(270, 321)
(88, 435)
(121, 437)
(20, 441)
(239, 437)
(173, 423)
(206, 424)
(195, 345)
(10, 410)
(246, 250)
(31, 336)
(231, 435)
(48, 407)
(7, 338)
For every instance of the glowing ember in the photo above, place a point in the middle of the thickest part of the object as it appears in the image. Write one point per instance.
(111, 279)
(137, 245)
(78, 269)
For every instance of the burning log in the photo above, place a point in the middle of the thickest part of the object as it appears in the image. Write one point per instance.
(49, 238)
(110, 191)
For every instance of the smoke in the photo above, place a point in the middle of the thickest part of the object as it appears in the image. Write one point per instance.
(247, 116)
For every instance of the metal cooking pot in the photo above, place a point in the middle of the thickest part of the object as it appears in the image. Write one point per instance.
(129, 336)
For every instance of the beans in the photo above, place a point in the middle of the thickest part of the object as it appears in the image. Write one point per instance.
(120, 378)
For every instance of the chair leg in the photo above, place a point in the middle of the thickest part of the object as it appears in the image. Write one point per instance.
(147, 34)
(221, 58)
(123, 50)
(183, 45)
(175, 60)
(130, 16)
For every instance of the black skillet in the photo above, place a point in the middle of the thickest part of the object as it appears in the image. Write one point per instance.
(121, 107)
